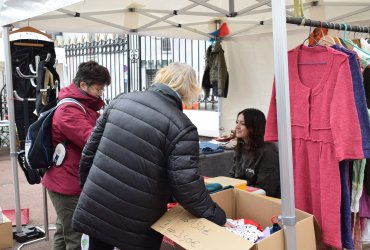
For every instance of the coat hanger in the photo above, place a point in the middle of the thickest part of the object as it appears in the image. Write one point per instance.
(313, 36)
(325, 38)
(364, 44)
(367, 38)
(32, 30)
(336, 38)
(18, 98)
(356, 40)
(35, 72)
(37, 61)
(351, 43)
(310, 36)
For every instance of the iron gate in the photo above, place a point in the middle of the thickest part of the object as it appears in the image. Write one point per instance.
(133, 61)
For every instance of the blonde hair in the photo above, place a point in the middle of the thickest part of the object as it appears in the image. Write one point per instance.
(182, 78)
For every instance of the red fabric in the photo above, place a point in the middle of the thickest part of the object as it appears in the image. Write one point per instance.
(71, 124)
(250, 222)
(171, 205)
(316, 35)
(224, 30)
(325, 130)
(168, 241)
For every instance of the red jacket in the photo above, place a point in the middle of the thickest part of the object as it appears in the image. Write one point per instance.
(71, 124)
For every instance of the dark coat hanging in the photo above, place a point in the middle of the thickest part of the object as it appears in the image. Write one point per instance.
(215, 75)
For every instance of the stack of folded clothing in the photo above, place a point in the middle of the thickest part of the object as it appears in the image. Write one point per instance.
(209, 148)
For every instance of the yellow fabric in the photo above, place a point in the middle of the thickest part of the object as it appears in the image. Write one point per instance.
(298, 8)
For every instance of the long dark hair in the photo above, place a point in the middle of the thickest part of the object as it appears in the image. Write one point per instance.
(255, 121)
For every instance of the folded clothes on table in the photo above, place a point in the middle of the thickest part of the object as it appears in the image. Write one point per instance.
(209, 148)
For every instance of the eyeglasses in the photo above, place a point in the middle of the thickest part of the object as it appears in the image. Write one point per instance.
(99, 89)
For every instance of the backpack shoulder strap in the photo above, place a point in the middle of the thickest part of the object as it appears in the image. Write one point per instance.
(70, 100)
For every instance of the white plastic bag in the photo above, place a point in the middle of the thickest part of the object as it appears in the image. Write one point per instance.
(84, 242)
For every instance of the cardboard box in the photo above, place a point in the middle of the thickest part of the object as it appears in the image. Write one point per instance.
(197, 233)
(6, 233)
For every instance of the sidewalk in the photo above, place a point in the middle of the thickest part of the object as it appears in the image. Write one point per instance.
(30, 197)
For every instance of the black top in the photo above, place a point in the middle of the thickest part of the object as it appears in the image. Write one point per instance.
(366, 75)
(261, 170)
(143, 150)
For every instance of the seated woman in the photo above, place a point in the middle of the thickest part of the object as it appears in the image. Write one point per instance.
(255, 160)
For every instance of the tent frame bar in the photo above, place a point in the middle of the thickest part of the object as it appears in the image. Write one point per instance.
(210, 6)
(254, 6)
(93, 19)
(157, 20)
(349, 14)
(345, 4)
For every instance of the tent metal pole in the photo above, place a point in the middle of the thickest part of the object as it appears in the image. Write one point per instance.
(231, 6)
(11, 117)
(283, 117)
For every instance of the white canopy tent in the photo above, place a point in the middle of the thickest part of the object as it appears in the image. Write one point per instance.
(192, 19)
(164, 18)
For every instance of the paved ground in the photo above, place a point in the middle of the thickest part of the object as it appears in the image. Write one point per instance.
(30, 197)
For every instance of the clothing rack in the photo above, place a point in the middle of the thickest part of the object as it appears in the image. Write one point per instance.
(29, 234)
(301, 21)
(324, 24)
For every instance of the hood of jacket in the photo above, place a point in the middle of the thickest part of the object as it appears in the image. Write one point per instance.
(72, 91)
(170, 94)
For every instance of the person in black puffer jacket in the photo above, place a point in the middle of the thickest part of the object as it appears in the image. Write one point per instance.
(143, 150)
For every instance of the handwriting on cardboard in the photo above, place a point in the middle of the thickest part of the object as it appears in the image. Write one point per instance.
(196, 233)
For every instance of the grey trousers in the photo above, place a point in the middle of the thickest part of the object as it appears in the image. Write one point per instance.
(64, 237)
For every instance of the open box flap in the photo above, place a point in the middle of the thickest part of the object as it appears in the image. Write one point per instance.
(194, 233)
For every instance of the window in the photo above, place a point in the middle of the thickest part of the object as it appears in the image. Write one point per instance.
(166, 44)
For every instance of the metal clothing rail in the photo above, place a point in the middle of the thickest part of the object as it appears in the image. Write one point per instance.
(336, 26)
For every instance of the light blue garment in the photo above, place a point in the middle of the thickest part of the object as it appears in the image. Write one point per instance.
(209, 148)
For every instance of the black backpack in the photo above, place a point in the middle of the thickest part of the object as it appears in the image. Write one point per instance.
(39, 148)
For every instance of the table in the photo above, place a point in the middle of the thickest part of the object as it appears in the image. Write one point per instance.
(217, 164)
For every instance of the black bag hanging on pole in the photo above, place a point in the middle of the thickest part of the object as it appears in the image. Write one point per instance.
(33, 176)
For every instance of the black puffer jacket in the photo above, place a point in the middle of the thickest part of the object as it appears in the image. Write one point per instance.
(142, 151)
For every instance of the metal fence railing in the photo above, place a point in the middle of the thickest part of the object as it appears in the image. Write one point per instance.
(133, 61)
(3, 102)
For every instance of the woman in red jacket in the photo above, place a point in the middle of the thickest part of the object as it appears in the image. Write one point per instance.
(73, 125)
